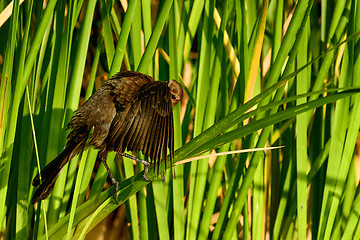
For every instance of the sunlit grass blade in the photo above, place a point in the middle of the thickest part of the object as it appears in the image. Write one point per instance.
(24, 174)
(203, 120)
(302, 86)
(155, 36)
(7, 140)
(122, 39)
(108, 38)
(178, 180)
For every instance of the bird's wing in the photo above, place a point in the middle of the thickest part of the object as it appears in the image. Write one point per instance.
(146, 125)
(126, 87)
(100, 109)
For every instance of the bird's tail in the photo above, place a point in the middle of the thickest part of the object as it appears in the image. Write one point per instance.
(51, 171)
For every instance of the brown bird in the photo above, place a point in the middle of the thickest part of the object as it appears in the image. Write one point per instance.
(130, 111)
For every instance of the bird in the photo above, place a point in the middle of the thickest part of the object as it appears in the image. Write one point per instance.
(132, 112)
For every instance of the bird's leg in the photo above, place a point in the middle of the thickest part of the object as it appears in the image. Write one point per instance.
(114, 182)
(146, 164)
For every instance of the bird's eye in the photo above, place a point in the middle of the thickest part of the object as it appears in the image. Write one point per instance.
(173, 97)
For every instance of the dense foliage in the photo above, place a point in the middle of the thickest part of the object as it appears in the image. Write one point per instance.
(255, 73)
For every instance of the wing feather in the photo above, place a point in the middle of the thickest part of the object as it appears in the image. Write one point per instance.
(126, 87)
(171, 138)
(145, 124)
(130, 123)
(133, 140)
(162, 136)
(122, 141)
(166, 139)
(140, 137)
(158, 140)
(149, 151)
(115, 132)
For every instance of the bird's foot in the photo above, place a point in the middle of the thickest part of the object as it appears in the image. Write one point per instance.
(146, 169)
(116, 188)
(146, 164)
(114, 182)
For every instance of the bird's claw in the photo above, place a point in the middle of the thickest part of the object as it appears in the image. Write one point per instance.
(116, 188)
(146, 166)
(113, 180)
(146, 169)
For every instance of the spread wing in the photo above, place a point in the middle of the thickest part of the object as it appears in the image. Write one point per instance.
(100, 109)
(146, 125)
(126, 87)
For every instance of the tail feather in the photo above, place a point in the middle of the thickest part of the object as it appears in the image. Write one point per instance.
(51, 172)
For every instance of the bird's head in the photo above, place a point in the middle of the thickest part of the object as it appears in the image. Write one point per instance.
(176, 91)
